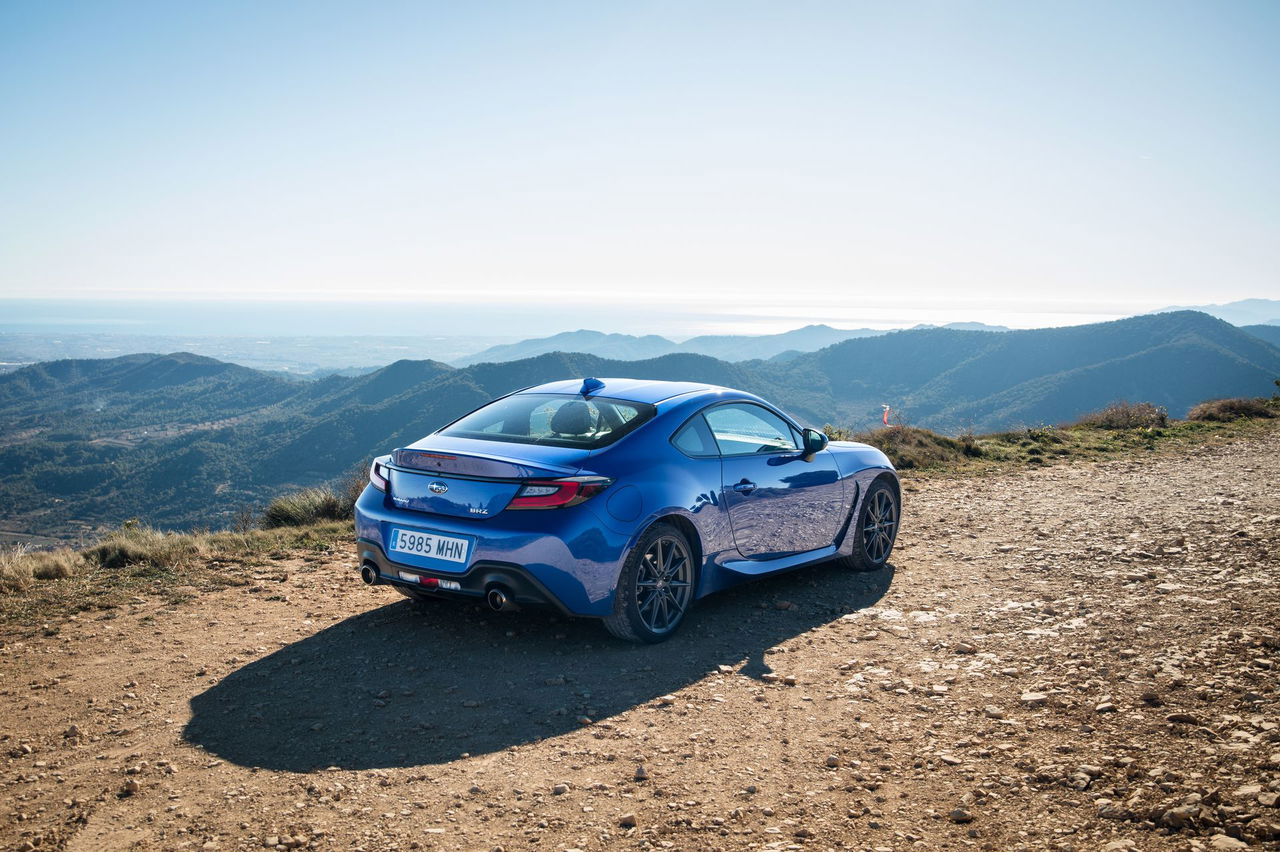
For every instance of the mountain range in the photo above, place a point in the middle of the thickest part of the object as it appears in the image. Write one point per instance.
(295, 349)
(182, 440)
(1241, 312)
(726, 347)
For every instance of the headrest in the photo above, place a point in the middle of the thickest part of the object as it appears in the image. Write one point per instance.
(572, 418)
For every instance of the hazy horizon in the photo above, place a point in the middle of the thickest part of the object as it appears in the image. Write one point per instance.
(277, 318)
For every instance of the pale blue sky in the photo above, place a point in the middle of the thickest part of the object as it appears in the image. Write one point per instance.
(855, 163)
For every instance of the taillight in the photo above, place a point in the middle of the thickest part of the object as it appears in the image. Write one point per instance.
(558, 493)
(378, 473)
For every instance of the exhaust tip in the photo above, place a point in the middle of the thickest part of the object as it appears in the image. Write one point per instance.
(369, 574)
(498, 600)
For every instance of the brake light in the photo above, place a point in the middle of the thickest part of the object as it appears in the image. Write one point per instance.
(378, 474)
(558, 493)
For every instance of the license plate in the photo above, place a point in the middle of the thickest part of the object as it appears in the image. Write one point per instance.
(431, 545)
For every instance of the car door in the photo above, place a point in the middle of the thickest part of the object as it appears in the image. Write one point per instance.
(779, 503)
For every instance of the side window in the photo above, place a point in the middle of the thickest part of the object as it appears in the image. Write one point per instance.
(741, 428)
(694, 439)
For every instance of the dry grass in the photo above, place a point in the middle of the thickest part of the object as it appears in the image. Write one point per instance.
(922, 452)
(909, 447)
(302, 508)
(1127, 415)
(19, 569)
(1226, 410)
(134, 545)
(315, 505)
(138, 559)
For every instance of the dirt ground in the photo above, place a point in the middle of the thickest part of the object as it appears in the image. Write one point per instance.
(1080, 657)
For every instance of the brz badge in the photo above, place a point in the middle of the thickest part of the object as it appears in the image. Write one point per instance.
(437, 487)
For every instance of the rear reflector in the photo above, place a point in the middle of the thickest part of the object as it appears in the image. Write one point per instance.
(431, 582)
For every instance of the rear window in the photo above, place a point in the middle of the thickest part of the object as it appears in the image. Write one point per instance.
(695, 440)
(559, 420)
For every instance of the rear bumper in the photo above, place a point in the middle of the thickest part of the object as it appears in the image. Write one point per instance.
(564, 557)
(521, 586)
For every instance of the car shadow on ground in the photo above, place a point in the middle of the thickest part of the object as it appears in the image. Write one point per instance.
(403, 685)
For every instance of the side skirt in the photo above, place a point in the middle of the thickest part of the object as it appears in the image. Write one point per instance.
(757, 568)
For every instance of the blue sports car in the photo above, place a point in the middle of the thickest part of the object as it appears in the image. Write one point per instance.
(620, 499)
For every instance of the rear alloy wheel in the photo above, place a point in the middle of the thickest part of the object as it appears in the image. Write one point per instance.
(876, 530)
(656, 587)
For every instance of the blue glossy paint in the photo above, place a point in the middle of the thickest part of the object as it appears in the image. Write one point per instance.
(796, 512)
(453, 496)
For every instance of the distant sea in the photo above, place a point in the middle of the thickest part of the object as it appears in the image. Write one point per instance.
(264, 318)
(497, 320)
(290, 337)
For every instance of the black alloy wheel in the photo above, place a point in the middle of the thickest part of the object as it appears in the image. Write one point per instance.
(655, 588)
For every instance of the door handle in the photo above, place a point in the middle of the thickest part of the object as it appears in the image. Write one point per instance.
(746, 486)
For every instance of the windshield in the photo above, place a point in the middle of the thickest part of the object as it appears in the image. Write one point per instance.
(561, 420)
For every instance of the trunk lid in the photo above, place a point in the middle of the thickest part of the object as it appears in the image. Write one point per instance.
(466, 478)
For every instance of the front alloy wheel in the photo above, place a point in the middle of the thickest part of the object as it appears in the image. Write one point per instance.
(655, 588)
(877, 528)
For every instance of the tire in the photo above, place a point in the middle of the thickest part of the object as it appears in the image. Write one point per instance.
(876, 530)
(655, 589)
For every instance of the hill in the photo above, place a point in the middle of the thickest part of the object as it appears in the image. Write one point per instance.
(627, 347)
(954, 380)
(621, 346)
(136, 390)
(1242, 312)
(967, 326)
(1269, 333)
(186, 441)
(746, 347)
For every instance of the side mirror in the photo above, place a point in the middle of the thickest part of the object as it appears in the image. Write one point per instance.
(814, 442)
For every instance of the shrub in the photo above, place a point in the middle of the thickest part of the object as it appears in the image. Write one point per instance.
(968, 443)
(136, 544)
(910, 447)
(1224, 410)
(313, 505)
(1127, 415)
(351, 487)
(20, 567)
(305, 507)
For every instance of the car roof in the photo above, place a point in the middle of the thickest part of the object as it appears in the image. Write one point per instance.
(633, 390)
